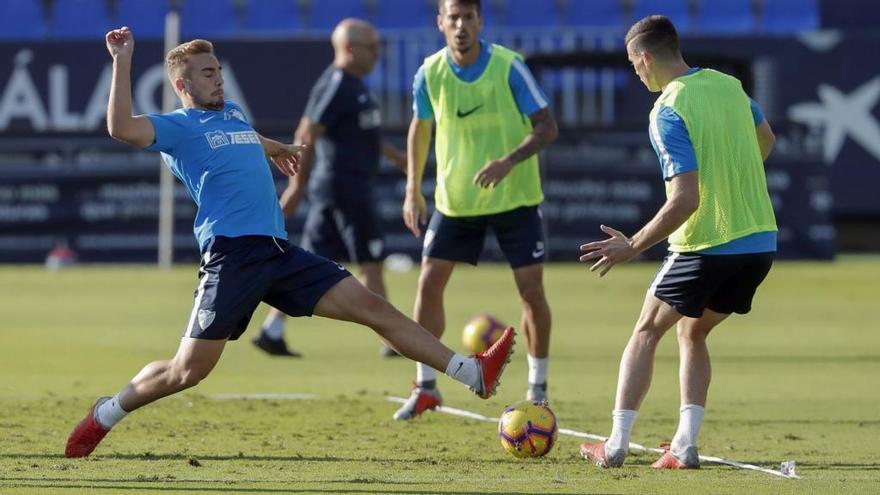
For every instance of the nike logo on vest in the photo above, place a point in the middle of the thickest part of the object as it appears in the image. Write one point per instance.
(462, 115)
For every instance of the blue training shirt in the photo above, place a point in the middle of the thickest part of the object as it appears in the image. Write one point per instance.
(218, 157)
(669, 132)
(528, 96)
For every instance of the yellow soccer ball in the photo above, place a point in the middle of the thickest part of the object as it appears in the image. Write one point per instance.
(528, 429)
(480, 333)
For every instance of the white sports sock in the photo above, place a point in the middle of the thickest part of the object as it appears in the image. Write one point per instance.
(273, 327)
(463, 369)
(425, 373)
(689, 421)
(622, 421)
(537, 369)
(110, 412)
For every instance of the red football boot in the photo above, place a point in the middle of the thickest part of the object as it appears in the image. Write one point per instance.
(420, 400)
(87, 434)
(669, 461)
(492, 363)
(595, 453)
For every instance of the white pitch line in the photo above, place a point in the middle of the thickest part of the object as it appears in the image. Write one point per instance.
(632, 446)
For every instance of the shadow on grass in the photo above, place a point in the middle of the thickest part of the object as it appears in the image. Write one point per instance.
(172, 485)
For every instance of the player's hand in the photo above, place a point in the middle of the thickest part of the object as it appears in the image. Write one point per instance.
(415, 212)
(286, 157)
(120, 42)
(616, 249)
(493, 172)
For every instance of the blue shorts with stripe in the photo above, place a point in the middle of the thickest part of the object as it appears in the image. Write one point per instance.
(237, 273)
(344, 232)
(520, 234)
(723, 283)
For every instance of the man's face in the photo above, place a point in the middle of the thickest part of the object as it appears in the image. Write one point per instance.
(642, 63)
(366, 51)
(460, 24)
(203, 80)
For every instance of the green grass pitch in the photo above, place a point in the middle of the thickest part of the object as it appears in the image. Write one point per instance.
(796, 379)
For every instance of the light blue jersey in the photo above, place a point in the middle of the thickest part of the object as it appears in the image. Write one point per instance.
(218, 157)
(528, 96)
(672, 143)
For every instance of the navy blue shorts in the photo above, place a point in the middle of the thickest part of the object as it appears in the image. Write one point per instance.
(343, 233)
(520, 234)
(691, 282)
(237, 273)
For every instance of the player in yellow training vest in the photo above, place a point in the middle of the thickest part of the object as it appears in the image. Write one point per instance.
(492, 119)
(711, 139)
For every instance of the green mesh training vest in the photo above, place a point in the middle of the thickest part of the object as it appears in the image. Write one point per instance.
(734, 201)
(478, 122)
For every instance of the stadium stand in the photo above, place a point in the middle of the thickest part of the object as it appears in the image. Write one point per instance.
(22, 19)
(79, 19)
(212, 18)
(402, 14)
(591, 13)
(146, 19)
(528, 13)
(678, 11)
(789, 16)
(271, 16)
(323, 15)
(727, 17)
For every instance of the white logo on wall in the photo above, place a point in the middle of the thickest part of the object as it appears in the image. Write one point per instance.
(840, 115)
(53, 111)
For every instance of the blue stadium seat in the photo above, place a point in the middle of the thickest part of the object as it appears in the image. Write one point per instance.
(529, 13)
(22, 19)
(324, 15)
(146, 19)
(678, 11)
(725, 17)
(272, 16)
(790, 16)
(208, 18)
(594, 13)
(80, 19)
(404, 14)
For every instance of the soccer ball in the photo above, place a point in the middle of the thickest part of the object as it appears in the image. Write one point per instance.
(528, 429)
(481, 332)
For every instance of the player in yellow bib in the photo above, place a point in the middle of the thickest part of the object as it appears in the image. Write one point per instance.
(712, 141)
(492, 119)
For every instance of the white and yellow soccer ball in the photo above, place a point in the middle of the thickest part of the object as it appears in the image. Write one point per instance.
(528, 429)
(480, 333)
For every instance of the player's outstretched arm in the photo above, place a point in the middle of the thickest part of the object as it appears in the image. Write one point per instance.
(121, 124)
(415, 212)
(544, 132)
(285, 157)
(683, 201)
(766, 139)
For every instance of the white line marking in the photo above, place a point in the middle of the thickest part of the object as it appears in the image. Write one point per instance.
(632, 446)
(262, 396)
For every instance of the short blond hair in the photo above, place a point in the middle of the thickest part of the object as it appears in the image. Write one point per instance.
(177, 57)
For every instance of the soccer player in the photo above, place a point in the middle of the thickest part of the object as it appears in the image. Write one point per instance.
(209, 145)
(342, 125)
(492, 119)
(711, 140)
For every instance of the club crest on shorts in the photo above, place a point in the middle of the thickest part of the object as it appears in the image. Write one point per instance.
(206, 317)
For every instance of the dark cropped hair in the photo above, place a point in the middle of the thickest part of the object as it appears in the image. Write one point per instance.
(440, 4)
(656, 35)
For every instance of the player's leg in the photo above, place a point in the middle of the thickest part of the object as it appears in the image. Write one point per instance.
(694, 373)
(520, 234)
(371, 275)
(348, 300)
(536, 323)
